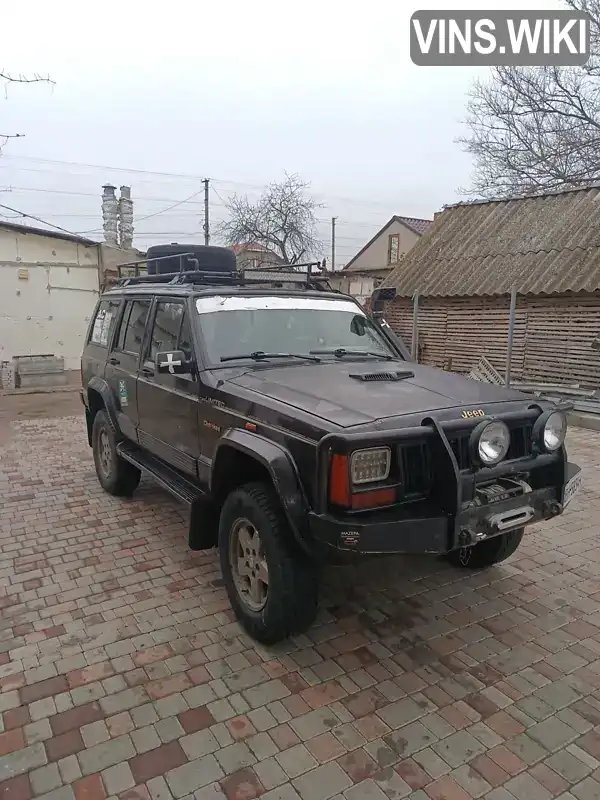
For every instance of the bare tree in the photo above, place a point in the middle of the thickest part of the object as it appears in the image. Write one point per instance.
(537, 128)
(6, 79)
(282, 220)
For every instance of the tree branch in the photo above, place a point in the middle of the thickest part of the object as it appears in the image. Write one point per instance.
(35, 78)
(282, 220)
(538, 128)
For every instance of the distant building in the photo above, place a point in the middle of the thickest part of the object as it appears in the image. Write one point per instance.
(384, 252)
(254, 256)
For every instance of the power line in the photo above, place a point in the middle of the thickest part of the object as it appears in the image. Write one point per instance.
(188, 176)
(37, 219)
(96, 194)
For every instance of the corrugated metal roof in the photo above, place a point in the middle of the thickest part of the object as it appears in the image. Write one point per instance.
(545, 244)
(419, 226)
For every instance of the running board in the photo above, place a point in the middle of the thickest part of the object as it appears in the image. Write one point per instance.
(201, 525)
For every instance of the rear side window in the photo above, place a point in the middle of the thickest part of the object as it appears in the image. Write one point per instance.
(131, 333)
(105, 322)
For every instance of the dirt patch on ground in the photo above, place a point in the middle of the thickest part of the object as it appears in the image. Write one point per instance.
(14, 407)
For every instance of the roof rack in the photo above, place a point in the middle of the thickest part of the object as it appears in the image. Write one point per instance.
(276, 275)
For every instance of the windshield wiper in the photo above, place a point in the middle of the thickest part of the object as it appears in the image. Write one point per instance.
(340, 352)
(260, 355)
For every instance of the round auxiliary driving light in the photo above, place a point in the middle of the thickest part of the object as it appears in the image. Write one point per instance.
(550, 430)
(489, 442)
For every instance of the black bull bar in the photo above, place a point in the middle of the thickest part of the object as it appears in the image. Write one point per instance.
(452, 488)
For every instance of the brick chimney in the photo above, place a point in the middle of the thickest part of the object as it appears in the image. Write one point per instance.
(125, 219)
(110, 214)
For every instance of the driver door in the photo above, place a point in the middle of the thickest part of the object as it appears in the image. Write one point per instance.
(168, 403)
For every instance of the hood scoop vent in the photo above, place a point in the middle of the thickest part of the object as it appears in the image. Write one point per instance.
(383, 376)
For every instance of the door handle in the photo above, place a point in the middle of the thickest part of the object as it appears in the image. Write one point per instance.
(114, 361)
(147, 371)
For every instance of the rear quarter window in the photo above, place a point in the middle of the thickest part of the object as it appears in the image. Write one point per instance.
(105, 322)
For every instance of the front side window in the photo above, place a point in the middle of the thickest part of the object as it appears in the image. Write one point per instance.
(131, 334)
(185, 338)
(165, 332)
(243, 325)
(105, 322)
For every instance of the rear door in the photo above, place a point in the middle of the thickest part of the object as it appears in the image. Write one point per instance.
(101, 332)
(168, 404)
(124, 360)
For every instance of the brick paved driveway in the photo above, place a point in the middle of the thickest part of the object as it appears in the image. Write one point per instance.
(122, 672)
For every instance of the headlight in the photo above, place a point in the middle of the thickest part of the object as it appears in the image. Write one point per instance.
(555, 430)
(368, 466)
(491, 441)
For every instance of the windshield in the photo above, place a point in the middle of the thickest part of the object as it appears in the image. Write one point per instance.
(234, 326)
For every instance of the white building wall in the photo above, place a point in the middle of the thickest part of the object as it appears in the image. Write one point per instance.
(48, 291)
(359, 286)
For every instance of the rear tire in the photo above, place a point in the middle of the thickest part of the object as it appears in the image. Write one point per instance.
(117, 476)
(272, 585)
(487, 553)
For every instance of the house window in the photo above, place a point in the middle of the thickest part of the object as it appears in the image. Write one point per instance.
(394, 248)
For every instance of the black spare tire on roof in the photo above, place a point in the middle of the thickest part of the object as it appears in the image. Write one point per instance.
(208, 258)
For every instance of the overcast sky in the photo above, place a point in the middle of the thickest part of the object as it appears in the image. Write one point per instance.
(235, 91)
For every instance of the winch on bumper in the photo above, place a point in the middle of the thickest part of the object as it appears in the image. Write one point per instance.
(464, 506)
(502, 506)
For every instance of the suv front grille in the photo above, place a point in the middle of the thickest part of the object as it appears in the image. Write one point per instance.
(416, 462)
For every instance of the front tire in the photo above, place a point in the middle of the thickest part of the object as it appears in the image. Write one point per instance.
(117, 476)
(487, 553)
(272, 585)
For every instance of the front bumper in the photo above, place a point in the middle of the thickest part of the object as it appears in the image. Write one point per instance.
(394, 531)
(464, 507)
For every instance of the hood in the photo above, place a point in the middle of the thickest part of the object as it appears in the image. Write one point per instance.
(327, 390)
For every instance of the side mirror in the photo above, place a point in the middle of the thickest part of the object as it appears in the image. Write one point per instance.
(380, 296)
(358, 325)
(174, 363)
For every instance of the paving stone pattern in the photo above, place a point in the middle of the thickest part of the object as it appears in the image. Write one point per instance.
(123, 673)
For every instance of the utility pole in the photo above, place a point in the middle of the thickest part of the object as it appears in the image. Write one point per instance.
(333, 219)
(206, 222)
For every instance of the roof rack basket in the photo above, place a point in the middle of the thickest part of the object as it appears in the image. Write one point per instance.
(301, 275)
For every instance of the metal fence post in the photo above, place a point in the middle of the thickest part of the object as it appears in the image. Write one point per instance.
(511, 332)
(414, 345)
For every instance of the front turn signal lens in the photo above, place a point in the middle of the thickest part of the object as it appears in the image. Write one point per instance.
(374, 498)
(339, 481)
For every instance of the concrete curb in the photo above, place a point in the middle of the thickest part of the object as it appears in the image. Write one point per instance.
(579, 419)
(39, 390)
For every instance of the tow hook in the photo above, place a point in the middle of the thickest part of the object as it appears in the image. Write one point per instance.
(466, 538)
(552, 508)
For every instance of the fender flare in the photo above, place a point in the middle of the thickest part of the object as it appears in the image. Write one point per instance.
(101, 386)
(283, 472)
